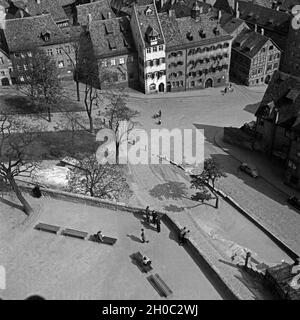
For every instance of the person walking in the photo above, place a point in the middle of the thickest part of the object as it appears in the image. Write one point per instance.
(143, 238)
(158, 225)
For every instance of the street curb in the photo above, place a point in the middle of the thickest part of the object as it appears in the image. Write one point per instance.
(270, 234)
(191, 245)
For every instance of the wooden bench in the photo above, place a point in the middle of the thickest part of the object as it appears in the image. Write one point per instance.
(106, 240)
(138, 258)
(47, 227)
(159, 285)
(74, 233)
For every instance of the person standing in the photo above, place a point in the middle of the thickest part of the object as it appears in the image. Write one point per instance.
(158, 225)
(181, 235)
(147, 214)
(154, 217)
(143, 237)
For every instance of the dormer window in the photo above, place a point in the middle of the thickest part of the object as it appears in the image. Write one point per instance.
(152, 36)
(45, 36)
(109, 28)
(112, 44)
(148, 11)
(189, 36)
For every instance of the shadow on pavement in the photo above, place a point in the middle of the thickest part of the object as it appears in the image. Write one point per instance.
(134, 238)
(170, 190)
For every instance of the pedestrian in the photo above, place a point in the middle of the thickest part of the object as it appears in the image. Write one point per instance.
(225, 90)
(99, 236)
(159, 122)
(147, 214)
(143, 236)
(159, 113)
(180, 236)
(154, 217)
(183, 238)
(158, 225)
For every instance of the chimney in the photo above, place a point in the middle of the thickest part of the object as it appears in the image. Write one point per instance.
(255, 27)
(108, 15)
(262, 31)
(173, 2)
(277, 8)
(237, 10)
(89, 20)
(21, 13)
(219, 15)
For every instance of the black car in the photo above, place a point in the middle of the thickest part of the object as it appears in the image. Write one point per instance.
(294, 201)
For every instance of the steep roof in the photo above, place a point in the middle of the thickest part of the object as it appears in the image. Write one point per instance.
(176, 30)
(249, 42)
(111, 37)
(283, 93)
(147, 17)
(183, 8)
(99, 10)
(264, 17)
(23, 34)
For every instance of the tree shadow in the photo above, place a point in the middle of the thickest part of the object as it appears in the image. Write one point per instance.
(173, 208)
(12, 204)
(134, 238)
(170, 190)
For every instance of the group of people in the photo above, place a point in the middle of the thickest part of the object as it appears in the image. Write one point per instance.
(158, 115)
(152, 217)
(228, 89)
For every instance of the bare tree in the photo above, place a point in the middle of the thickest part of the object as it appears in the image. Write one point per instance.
(15, 161)
(39, 80)
(102, 181)
(206, 181)
(116, 112)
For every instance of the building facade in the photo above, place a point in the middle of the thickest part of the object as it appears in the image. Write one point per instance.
(255, 58)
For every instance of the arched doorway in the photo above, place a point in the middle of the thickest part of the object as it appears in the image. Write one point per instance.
(267, 79)
(5, 82)
(208, 83)
(161, 87)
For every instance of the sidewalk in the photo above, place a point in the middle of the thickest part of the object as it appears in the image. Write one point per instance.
(267, 169)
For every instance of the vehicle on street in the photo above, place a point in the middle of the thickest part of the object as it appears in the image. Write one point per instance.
(294, 201)
(249, 169)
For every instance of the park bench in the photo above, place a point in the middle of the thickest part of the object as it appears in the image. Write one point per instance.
(74, 233)
(138, 258)
(47, 228)
(106, 240)
(159, 285)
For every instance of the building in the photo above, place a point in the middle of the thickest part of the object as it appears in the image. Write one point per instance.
(278, 124)
(23, 35)
(151, 48)
(291, 60)
(254, 58)
(5, 69)
(109, 48)
(198, 51)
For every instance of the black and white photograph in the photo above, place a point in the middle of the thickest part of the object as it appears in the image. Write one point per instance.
(149, 153)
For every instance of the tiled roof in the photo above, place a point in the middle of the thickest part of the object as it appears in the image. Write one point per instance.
(98, 10)
(249, 42)
(264, 17)
(54, 7)
(287, 5)
(176, 30)
(183, 8)
(111, 37)
(23, 34)
(121, 4)
(283, 93)
(146, 21)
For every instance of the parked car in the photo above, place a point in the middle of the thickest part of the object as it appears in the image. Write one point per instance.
(294, 201)
(249, 169)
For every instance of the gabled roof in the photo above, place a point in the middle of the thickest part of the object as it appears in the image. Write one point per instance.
(99, 10)
(111, 37)
(250, 42)
(146, 20)
(183, 8)
(23, 34)
(264, 17)
(283, 93)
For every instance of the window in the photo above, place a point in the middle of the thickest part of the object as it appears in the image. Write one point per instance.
(49, 52)
(130, 59)
(161, 48)
(148, 50)
(122, 60)
(1, 60)
(25, 67)
(29, 54)
(61, 64)
(21, 79)
(58, 50)
(69, 61)
(123, 76)
(131, 75)
(154, 49)
(2, 73)
(22, 55)
(112, 62)
(271, 47)
(275, 65)
(152, 86)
